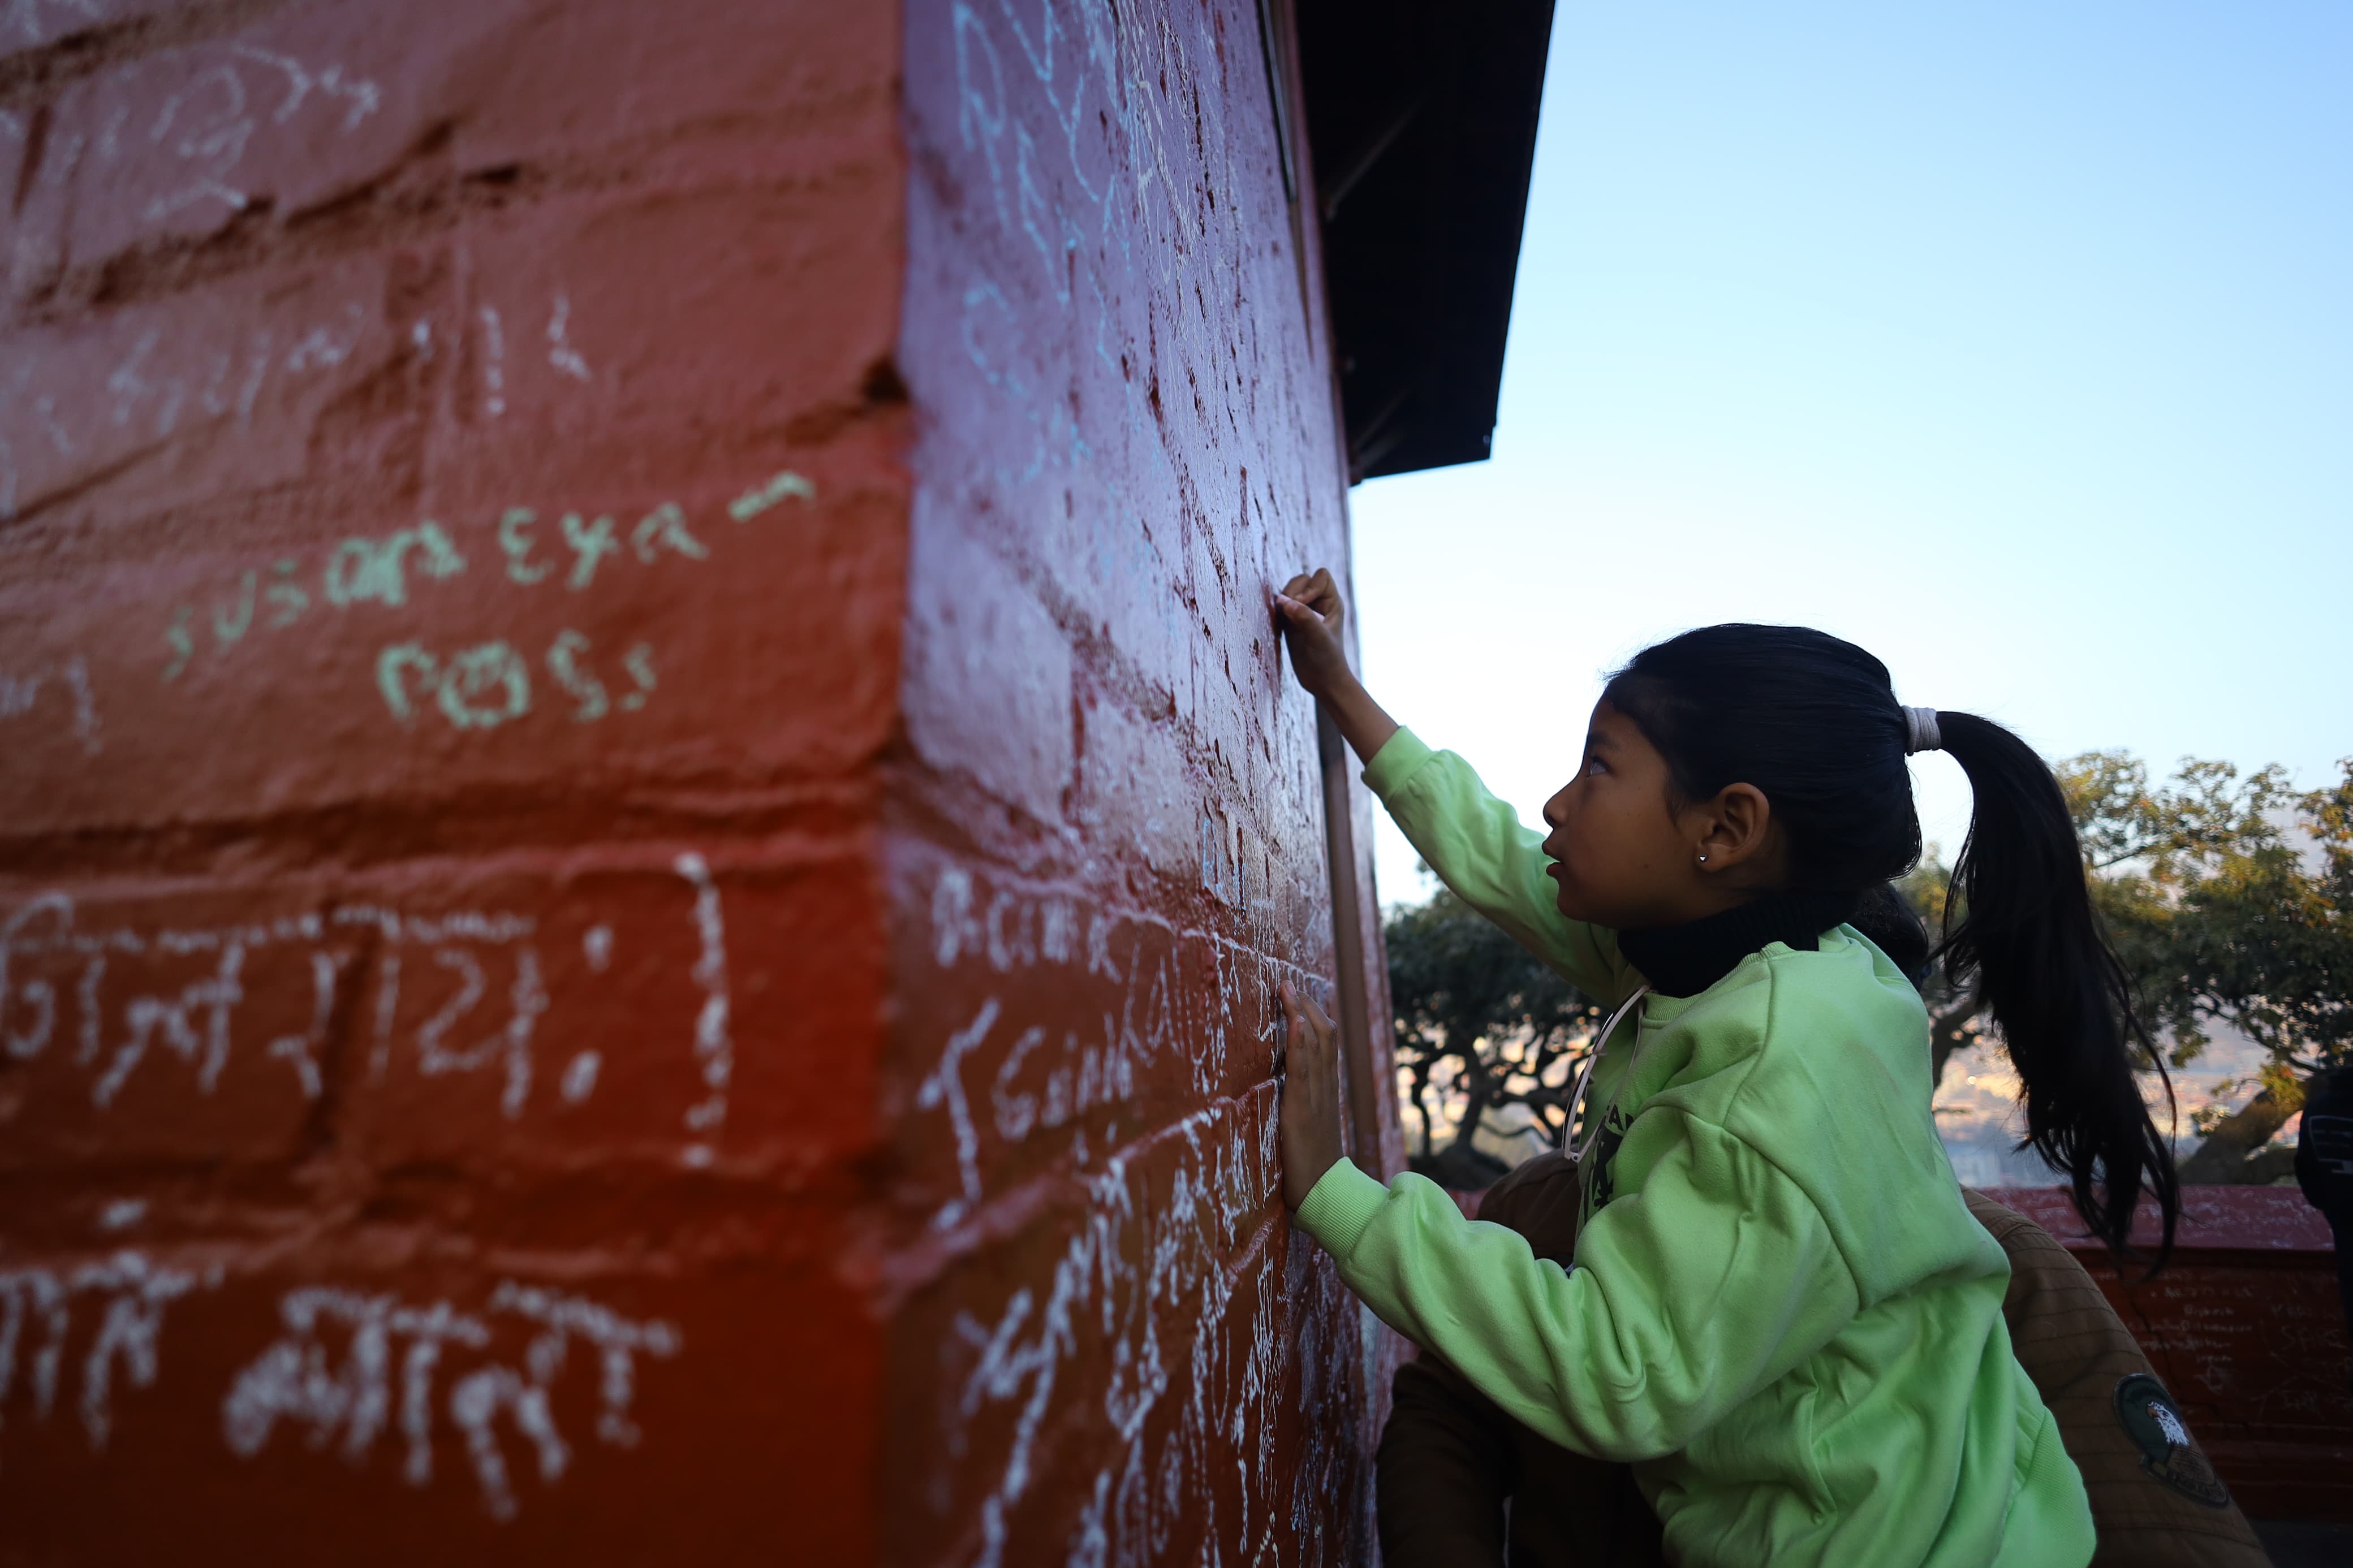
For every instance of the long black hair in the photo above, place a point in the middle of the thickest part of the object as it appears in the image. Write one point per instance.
(1812, 721)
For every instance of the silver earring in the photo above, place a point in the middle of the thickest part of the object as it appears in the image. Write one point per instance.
(1702, 859)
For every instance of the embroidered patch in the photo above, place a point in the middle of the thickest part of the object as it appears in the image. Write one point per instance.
(2150, 1418)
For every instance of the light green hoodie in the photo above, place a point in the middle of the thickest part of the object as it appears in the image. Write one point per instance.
(1785, 1318)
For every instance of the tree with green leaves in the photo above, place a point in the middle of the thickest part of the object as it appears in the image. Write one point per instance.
(1481, 1027)
(2230, 900)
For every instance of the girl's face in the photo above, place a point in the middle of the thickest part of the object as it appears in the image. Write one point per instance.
(1625, 855)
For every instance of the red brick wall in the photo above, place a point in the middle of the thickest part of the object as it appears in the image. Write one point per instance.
(446, 962)
(1106, 840)
(649, 810)
(2246, 1328)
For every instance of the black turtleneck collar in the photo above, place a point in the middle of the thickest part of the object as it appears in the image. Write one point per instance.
(1686, 959)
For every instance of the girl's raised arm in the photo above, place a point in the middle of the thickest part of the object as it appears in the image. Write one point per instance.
(1475, 843)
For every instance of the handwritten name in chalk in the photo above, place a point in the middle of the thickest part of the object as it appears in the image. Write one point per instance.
(488, 685)
(574, 551)
(331, 1375)
(361, 570)
(38, 1312)
(364, 569)
(591, 539)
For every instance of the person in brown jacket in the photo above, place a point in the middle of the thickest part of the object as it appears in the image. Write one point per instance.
(1462, 1483)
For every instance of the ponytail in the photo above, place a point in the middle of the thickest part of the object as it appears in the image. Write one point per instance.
(2027, 935)
(1813, 723)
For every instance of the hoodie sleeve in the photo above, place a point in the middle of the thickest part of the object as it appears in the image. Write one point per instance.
(1480, 849)
(1714, 1279)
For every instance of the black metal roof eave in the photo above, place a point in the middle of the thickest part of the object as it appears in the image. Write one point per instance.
(1421, 121)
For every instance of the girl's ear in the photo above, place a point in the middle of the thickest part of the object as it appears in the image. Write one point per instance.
(1735, 828)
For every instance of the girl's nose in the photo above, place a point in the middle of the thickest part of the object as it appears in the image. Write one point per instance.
(1555, 810)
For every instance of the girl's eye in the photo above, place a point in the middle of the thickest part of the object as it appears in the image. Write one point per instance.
(1594, 767)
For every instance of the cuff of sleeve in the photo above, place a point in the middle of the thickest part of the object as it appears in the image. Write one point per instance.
(1340, 1206)
(1400, 758)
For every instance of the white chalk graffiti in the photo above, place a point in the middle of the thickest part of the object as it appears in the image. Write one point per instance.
(481, 687)
(714, 1041)
(116, 1032)
(1143, 1363)
(20, 693)
(364, 570)
(300, 1379)
(476, 689)
(456, 995)
(30, 19)
(784, 486)
(46, 442)
(37, 1308)
(1171, 1316)
(181, 140)
(347, 1366)
(1172, 1282)
(561, 354)
(176, 378)
(563, 357)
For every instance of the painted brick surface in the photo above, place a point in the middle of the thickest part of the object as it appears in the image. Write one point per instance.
(1107, 844)
(647, 806)
(2246, 1328)
(452, 567)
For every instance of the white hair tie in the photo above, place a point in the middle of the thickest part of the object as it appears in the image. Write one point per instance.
(1920, 730)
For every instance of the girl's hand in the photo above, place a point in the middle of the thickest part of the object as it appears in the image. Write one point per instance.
(1310, 610)
(1310, 1097)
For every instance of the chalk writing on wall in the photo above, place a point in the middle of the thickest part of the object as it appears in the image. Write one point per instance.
(1130, 417)
(20, 695)
(349, 1367)
(129, 1295)
(714, 1040)
(457, 996)
(167, 136)
(1171, 1277)
(479, 685)
(52, 431)
(1148, 976)
(163, 378)
(38, 21)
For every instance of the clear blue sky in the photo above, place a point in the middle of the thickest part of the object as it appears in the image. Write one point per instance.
(2014, 343)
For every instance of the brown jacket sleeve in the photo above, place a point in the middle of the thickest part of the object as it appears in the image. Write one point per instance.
(1446, 1464)
(1449, 1458)
(2155, 1502)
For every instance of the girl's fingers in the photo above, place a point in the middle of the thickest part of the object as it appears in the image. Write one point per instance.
(1306, 1026)
(1315, 1018)
(1299, 612)
(1301, 1043)
(1315, 591)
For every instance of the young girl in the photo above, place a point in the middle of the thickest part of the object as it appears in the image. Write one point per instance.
(1780, 1311)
